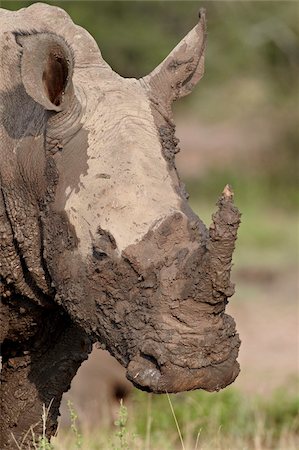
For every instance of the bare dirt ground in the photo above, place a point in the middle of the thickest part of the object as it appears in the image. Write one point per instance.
(266, 313)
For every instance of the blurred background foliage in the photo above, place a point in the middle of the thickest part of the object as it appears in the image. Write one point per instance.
(239, 126)
(249, 38)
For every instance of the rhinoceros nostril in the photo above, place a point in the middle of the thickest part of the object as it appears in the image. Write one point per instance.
(107, 237)
(104, 245)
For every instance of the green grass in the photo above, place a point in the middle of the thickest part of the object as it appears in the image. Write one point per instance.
(225, 420)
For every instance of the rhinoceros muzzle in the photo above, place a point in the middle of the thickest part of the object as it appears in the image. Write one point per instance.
(192, 363)
(171, 295)
(144, 374)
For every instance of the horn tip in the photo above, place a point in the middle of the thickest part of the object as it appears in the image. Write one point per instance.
(228, 192)
(202, 13)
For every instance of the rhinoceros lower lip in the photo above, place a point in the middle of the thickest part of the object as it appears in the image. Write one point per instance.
(147, 376)
(144, 373)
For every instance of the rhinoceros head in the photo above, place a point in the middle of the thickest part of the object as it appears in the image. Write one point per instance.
(98, 212)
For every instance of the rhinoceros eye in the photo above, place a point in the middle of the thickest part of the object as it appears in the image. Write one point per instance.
(98, 253)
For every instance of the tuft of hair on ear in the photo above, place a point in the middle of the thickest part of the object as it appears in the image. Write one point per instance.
(47, 63)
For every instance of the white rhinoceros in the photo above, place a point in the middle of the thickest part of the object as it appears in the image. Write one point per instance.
(98, 242)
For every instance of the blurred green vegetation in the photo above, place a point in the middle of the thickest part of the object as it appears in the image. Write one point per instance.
(229, 412)
(267, 237)
(211, 421)
(246, 38)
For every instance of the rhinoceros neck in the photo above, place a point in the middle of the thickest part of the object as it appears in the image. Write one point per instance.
(22, 269)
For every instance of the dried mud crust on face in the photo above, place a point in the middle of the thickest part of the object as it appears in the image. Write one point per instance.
(148, 309)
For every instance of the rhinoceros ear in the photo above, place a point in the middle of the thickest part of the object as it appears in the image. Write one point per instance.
(46, 69)
(176, 76)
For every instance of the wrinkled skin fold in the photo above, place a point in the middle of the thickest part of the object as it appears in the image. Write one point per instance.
(98, 242)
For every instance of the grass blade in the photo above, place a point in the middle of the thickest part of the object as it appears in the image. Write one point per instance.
(176, 422)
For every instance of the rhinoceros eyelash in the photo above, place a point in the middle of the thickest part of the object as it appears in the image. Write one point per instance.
(27, 32)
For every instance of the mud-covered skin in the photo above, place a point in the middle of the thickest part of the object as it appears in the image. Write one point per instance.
(98, 242)
(162, 316)
(41, 354)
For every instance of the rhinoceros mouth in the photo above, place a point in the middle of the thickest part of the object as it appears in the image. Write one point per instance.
(146, 374)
